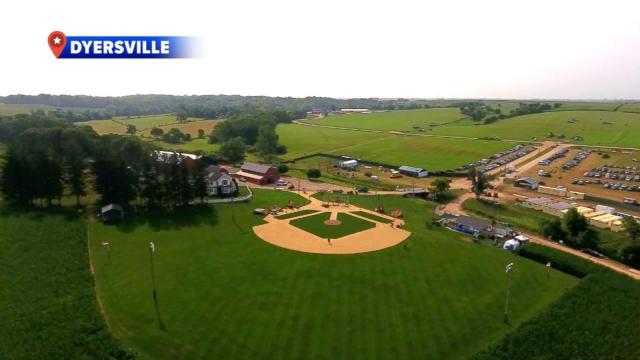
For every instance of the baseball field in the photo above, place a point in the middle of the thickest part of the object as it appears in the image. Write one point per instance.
(222, 292)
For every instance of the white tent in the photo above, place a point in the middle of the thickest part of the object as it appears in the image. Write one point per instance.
(522, 239)
(512, 245)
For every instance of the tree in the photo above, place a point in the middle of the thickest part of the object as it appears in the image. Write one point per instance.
(314, 173)
(575, 223)
(439, 186)
(233, 151)
(156, 131)
(199, 183)
(283, 168)
(587, 238)
(267, 141)
(200, 134)
(480, 185)
(174, 136)
(632, 227)
(553, 230)
(131, 129)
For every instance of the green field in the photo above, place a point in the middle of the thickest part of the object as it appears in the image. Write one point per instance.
(348, 225)
(223, 293)
(421, 151)
(189, 146)
(623, 130)
(48, 308)
(393, 120)
(147, 122)
(103, 127)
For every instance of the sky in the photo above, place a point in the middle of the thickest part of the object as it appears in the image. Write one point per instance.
(347, 48)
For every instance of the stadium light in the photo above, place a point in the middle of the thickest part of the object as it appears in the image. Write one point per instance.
(508, 269)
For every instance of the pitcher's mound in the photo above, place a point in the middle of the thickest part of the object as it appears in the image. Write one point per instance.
(332, 222)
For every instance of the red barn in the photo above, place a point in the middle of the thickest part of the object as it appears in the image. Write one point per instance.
(257, 174)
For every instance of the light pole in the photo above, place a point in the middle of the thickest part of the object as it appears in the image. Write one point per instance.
(107, 247)
(152, 250)
(508, 269)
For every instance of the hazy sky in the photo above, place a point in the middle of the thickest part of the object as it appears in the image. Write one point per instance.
(346, 48)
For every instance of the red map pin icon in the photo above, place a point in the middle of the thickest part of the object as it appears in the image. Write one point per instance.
(57, 42)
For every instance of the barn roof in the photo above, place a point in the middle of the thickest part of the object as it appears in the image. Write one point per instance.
(256, 168)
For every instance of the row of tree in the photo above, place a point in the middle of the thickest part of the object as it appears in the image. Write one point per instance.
(44, 164)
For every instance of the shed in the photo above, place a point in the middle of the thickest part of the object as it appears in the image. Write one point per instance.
(348, 164)
(413, 171)
(529, 182)
(557, 208)
(536, 203)
(111, 212)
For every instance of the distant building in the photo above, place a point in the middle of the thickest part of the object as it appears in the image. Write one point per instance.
(166, 156)
(413, 171)
(111, 212)
(481, 227)
(257, 174)
(219, 182)
(354, 110)
(557, 208)
(528, 182)
(348, 164)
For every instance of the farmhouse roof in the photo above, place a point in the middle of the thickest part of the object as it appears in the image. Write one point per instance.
(255, 168)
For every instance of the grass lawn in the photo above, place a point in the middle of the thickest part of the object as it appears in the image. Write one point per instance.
(14, 109)
(348, 225)
(48, 308)
(402, 120)
(372, 216)
(188, 147)
(224, 293)
(295, 214)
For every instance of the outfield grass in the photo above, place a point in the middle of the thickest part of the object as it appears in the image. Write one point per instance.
(295, 214)
(372, 216)
(403, 120)
(348, 225)
(223, 293)
(48, 308)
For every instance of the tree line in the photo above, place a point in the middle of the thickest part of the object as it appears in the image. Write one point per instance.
(44, 164)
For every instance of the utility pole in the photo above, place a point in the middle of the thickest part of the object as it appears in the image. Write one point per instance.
(508, 270)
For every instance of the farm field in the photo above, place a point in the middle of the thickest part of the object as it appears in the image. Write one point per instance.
(147, 122)
(623, 131)
(103, 127)
(419, 151)
(623, 128)
(190, 127)
(48, 308)
(14, 109)
(403, 120)
(224, 293)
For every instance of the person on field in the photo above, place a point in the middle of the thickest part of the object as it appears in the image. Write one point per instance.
(329, 241)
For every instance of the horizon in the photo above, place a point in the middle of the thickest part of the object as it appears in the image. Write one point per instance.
(466, 50)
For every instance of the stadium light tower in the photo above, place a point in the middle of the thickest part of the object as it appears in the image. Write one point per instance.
(152, 250)
(508, 269)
